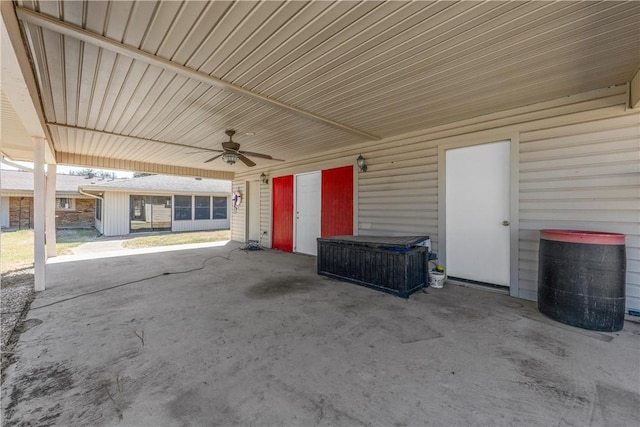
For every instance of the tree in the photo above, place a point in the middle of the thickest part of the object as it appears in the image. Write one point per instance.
(141, 174)
(84, 172)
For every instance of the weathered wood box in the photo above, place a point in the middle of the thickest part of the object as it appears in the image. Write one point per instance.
(397, 265)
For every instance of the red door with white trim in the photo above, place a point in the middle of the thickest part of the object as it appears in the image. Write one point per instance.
(337, 202)
(282, 229)
(336, 207)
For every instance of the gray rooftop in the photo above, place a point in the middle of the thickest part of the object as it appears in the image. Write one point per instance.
(20, 181)
(163, 183)
(23, 181)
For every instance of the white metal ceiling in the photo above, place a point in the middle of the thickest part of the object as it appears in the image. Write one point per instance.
(338, 73)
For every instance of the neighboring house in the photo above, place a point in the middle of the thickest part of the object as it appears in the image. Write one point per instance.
(73, 210)
(160, 203)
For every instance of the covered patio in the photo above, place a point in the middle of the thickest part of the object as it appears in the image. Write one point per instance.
(219, 336)
(361, 106)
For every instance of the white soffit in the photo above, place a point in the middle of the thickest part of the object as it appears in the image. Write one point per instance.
(16, 129)
(338, 73)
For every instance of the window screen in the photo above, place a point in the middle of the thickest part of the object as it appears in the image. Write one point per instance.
(203, 207)
(182, 208)
(219, 208)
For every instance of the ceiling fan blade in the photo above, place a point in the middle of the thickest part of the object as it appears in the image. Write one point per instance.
(262, 156)
(245, 160)
(213, 158)
(252, 154)
(201, 150)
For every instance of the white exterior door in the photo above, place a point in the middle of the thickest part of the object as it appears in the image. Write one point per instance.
(307, 212)
(253, 209)
(4, 211)
(477, 213)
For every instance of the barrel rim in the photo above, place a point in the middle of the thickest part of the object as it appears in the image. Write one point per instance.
(583, 236)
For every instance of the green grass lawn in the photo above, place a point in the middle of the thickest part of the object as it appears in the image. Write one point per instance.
(166, 239)
(16, 247)
(16, 250)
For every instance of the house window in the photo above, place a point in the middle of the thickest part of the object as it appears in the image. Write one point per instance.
(65, 204)
(219, 208)
(99, 209)
(182, 208)
(203, 207)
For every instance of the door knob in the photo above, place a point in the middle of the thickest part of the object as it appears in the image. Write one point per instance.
(505, 223)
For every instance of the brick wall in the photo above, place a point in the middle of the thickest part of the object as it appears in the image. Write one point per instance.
(21, 213)
(82, 216)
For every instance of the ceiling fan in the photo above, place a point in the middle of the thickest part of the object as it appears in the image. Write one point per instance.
(231, 152)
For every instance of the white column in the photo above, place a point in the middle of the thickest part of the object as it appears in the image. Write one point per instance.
(39, 213)
(50, 207)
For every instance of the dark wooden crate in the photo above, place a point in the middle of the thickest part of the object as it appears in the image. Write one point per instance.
(395, 265)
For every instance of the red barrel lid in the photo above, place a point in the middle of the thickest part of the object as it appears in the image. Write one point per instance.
(581, 236)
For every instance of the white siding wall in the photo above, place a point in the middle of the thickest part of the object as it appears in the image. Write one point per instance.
(201, 225)
(398, 195)
(584, 176)
(115, 217)
(265, 214)
(239, 216)
(583, 148)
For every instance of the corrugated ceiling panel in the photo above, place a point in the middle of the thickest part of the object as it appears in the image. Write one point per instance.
(13, 135)
(385, 68)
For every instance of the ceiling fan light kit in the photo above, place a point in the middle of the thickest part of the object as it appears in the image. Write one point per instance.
(231, 152)
(230, 158)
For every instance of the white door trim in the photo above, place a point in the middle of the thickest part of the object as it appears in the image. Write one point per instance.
(514, 201)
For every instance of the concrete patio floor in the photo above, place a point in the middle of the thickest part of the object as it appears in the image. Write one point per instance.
(260, 339)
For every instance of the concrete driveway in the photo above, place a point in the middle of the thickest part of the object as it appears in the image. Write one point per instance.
(192, 338)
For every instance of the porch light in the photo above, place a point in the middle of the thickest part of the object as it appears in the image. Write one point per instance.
(230, 158)
(361, 165)
(263, 178)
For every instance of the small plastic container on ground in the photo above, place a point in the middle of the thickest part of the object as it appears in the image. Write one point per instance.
(436, 279)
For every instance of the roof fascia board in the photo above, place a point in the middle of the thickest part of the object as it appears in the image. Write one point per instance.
(144, 192)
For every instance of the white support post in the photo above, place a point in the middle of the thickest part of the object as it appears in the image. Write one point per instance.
(50, 207)
(39, 212)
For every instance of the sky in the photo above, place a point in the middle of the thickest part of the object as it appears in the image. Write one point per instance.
(66, 170)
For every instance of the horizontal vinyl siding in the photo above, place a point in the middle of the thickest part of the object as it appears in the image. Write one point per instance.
(265, 214)
(577, 167)
(398, 195)
(584, 176)
(239, 216)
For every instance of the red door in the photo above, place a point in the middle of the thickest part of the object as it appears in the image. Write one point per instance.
(282, 213)
(337, 202)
